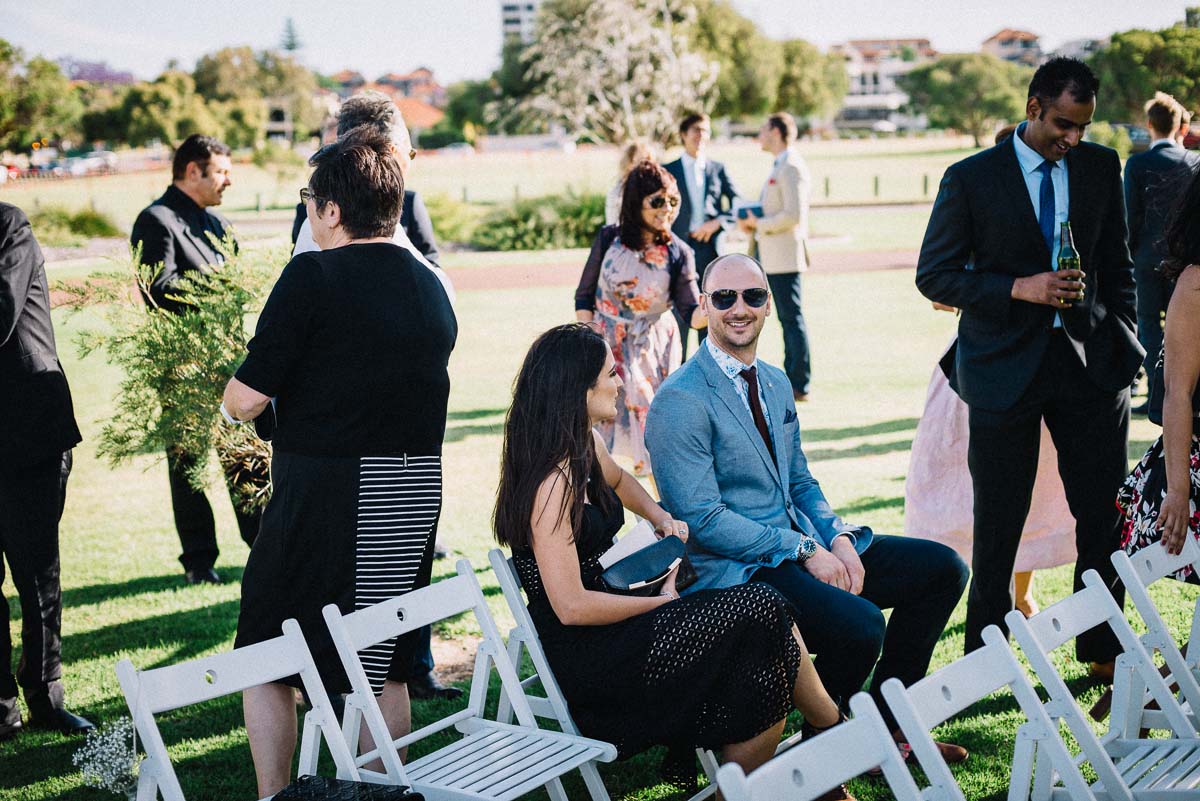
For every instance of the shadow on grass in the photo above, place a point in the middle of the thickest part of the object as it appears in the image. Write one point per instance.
(886, 427)
(99, 593)
(872, 503)
(1138, 448)
(866, 449)
(459, 433)
(192, 632)
(475, 414)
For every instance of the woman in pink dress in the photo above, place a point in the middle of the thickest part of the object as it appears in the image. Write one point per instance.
(638, 271)
(939, 500)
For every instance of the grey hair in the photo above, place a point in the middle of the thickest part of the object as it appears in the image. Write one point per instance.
(371, 108)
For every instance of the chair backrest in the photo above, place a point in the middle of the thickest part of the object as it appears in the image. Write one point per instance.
(1060, 623)
(933, 700)
(447, 598)
(524, 639)
(149, 692)
(1138, 572)
(815, 766)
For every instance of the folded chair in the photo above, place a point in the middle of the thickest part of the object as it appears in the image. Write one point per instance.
(1130, 699)
(150, 692)
(939, 696)
(833, 757)
(1126, 768)
(492, 760)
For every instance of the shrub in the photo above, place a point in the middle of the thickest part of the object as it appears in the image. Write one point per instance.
(59, 227)
(1111, 136)
(545, 223)
(453, 220)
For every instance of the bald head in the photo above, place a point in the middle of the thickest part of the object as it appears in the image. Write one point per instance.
(733, 267)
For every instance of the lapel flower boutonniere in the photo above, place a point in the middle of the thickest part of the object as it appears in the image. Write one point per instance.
(770, 182)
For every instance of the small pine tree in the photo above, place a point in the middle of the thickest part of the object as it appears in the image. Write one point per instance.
(176, 366)
(291, 40)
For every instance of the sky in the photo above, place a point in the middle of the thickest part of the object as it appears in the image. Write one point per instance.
(460, 39)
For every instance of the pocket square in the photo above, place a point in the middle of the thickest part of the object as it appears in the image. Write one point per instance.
(789, 416)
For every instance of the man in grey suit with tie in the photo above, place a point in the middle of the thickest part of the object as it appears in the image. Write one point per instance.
(706, 196)
(1153, 180)
(177, 232)
(725, 442)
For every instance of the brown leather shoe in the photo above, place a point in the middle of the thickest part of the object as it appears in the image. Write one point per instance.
(952, 752)
(800, 397)
(839, 793)
(1102, 671)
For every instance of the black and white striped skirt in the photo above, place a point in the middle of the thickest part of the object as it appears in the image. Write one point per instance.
(350, 531)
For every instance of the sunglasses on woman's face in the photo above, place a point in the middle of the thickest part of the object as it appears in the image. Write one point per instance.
(658, 201)
(723, 299)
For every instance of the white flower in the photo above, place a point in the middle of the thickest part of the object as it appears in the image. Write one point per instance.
(107, 758)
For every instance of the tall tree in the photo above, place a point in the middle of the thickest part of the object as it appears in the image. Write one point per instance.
(619, 70)
(290, 41)
(36, 100)
(973, 92)
(1138, 63)
(750, 64)
(227, 74)
(810, 82)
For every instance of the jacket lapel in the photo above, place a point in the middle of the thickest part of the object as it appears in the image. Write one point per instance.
(1012, 178)
(724, 390)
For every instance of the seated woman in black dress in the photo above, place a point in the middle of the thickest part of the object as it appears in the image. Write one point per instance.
(717, 669)
(352, 345)
(1161, 498)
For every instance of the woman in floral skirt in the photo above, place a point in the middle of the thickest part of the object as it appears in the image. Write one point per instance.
(638, 271)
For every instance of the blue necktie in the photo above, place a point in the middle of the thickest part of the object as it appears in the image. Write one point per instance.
(1046, 204)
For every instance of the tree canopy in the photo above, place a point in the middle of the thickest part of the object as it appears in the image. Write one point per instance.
(1138, 63)
(973, 92)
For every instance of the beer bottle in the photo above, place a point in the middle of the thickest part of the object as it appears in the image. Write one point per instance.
(1068, 256)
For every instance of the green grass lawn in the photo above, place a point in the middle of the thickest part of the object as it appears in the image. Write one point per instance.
(875, 342)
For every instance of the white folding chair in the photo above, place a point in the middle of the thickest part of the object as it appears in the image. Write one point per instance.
(939, 696)
(493, 760)
(1127, 768)
(552, 705)
(831, 758)
(1130, 698)
(150, 692)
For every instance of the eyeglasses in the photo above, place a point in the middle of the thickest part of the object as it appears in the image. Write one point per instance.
(723, 299)
(658, 201)
(306, 195)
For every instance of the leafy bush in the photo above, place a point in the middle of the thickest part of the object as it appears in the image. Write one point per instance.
(453, 220)
(1111, 136)
(176, 365)
(545, 223)
(59, 227)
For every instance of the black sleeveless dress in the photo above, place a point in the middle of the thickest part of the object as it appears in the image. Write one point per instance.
(713, 668)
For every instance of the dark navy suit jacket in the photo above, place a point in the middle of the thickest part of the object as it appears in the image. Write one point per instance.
(1153, 181)
(717, 200)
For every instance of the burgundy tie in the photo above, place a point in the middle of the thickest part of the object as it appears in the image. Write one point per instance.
(750, 374)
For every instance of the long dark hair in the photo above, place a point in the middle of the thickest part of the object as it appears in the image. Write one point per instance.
(646, 178)
(548, 426)
(1183, 231)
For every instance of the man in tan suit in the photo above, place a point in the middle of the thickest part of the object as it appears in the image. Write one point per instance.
(779, 239)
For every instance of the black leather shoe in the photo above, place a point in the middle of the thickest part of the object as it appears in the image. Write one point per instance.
(203, 576)
(59, 720)
(10, 718)
(440, 551)
(430, 686)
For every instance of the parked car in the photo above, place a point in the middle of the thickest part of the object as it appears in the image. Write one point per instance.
(1191, 139)
(1138, 135)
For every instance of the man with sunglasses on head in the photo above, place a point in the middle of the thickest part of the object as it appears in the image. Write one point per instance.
(180, 232)
(725, 441)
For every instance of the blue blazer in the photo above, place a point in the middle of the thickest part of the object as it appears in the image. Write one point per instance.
(714, 473)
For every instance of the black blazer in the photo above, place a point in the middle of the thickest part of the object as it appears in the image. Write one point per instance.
(983, 217)
(173, 231)
(1153, 181)
(37, 420)
(414, 219)
(719, 194)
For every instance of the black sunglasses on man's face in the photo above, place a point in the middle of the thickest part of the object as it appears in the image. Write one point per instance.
(723, 299)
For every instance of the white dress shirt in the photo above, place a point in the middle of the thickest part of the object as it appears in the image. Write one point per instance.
(1030, 160)
(693, 173)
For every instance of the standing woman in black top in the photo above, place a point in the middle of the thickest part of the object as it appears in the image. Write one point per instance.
(352, 345)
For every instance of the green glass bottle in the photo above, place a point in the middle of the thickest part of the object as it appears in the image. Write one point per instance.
(1068, 256)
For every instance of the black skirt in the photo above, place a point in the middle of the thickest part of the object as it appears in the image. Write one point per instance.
(345, 530)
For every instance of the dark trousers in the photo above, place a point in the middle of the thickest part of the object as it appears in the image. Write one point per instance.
(1153, 295)
(919, 580)
(423, 656)
(705, 252)
(31, 503)
(194, 517)
(785, 292)
(1090, 428)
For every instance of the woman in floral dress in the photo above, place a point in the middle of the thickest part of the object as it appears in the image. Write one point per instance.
(1161, 498)
(638, 271)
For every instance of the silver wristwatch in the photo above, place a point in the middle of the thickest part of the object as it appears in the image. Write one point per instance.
(805, 550)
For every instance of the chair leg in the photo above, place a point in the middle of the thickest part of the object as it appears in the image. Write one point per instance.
(556, 791)
(310, 746)
(591, 778)
(1022, 767)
